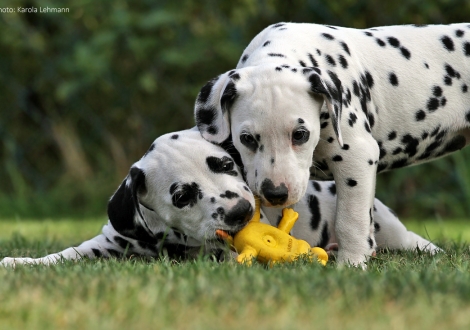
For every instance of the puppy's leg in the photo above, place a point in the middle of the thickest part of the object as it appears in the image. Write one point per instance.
(391, 233)
(98, 246)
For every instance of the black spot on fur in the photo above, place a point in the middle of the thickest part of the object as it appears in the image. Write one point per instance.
(325, 236)
(206, 91)
(370, 162)
(113, 253)
(392, 77)
(314, 207)
(459, 33)
(411, 145)
(394, 42)
(345, 146)
(312, 59)
(330, 60)
(332, 189)
(228, 96)
(152, 146)
(396, 151)
(174, 136)
(451, 71)
(327, 36)
(356, 89)
(371, 120)
(123, 243)
(369, 79)
(235, 76)
(278, 25)
(97, 253)
(467, 116)
(366, 125)
(464, 88)
(352, 119)
(380, 42)
(205, 115)
(330, 139)
(316, 185)
(466, 48)
(405, 52)
(448, 43)
(376, 227)
(351, 182)
(371, 242)
(383, 152)
(437, 91)
(244, 58)
(433, 104)
(302, 63)
(420, 115)
(392, 135)
(399, 163)
(229, 195)
(448, 80)
(276, 55)
(343, 62)
(337, 158)
(266, 43)
(345, 47)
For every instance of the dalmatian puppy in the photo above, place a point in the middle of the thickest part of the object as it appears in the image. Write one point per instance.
(172, 201)
(185, 188)
(360, 101)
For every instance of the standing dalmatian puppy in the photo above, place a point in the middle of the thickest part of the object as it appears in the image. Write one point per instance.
(185, 188)
(360, 101)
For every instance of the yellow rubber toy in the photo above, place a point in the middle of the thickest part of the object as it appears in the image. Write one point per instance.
(269, 244)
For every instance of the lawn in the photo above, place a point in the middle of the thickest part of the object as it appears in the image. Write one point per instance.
(398, 291)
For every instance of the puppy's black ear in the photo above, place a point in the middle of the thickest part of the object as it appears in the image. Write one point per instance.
(212, 108)
(125, 203)
(330, 89)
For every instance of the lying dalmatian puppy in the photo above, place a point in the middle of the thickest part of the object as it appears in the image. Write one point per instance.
(360, 101)
(185, 188)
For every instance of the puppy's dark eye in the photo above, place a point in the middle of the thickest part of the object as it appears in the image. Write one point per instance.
(185, 194)
(224, 165)
(181, 199)
(249, 141)
(300, 136)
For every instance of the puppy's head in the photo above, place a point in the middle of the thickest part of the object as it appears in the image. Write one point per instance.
(185, 183)
(273, 115)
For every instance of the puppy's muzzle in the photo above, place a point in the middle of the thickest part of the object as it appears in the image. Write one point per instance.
(274, 195)
(240, 214)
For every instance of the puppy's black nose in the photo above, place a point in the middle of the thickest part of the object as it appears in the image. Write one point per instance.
(274, 195)
(239, 214)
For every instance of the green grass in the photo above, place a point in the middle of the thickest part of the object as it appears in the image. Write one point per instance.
(398, 291)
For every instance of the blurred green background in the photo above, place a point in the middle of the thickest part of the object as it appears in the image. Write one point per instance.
(83, 94)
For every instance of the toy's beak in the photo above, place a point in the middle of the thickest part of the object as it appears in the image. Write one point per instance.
(224, 235)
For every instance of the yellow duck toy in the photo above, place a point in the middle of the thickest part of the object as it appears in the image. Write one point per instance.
(269, 244)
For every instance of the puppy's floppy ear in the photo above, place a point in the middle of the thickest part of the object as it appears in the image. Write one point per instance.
(212, 108)
(124, 203)
(331, 92)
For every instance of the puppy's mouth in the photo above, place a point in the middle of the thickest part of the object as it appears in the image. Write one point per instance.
(223, 234)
